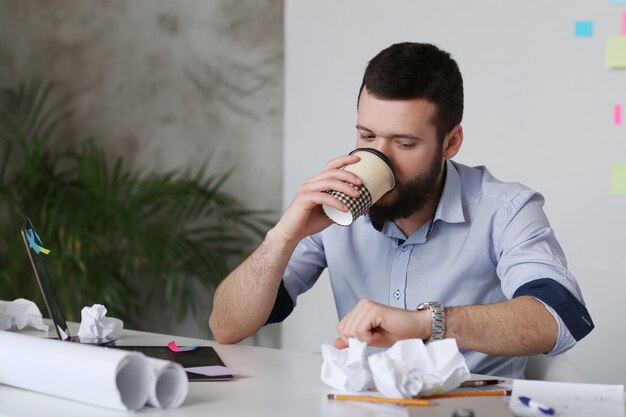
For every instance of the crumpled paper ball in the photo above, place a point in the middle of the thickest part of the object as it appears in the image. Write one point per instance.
(95, 325)
(346, 369)
(408, 368)
(21, 313)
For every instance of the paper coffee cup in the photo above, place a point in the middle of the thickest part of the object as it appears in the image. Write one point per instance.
(377, 173)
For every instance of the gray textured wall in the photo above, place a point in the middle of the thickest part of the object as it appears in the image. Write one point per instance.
(164, 84)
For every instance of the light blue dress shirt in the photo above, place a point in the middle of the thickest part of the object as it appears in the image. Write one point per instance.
(487, 242)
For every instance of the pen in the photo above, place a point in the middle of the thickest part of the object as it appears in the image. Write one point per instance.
(534, 405)
(494, 393)
(481, 383)
(401, 401)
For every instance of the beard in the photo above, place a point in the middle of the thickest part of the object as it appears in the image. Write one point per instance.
(412, 195)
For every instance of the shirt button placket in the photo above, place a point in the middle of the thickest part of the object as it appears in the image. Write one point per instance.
(398, 276)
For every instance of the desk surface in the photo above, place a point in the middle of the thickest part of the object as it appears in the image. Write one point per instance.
(274, 383)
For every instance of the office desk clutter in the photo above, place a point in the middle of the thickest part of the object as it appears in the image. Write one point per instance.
(407, 369)
(94, 324)
(20, 313)
(346, 369)
(111, 378)
(544, 398)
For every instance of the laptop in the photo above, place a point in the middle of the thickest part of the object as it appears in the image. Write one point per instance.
(202, 356)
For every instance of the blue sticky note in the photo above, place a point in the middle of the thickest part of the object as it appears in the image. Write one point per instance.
(583, 28)
(617, 1)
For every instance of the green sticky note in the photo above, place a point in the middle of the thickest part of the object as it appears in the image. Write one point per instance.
(618, 178)
(616, 52)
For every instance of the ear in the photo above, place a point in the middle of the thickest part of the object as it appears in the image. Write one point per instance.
(452, 142)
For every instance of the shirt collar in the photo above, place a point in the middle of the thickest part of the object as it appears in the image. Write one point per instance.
(450, 207)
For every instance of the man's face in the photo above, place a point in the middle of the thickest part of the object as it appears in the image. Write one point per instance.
(402, 130)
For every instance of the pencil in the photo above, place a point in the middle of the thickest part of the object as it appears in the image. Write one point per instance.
(499, 393)
(481, 382)
(401, 401)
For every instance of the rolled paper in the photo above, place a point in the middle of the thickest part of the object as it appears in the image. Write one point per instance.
(111, 378)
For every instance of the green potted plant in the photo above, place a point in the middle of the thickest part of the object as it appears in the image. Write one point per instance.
(130, 240)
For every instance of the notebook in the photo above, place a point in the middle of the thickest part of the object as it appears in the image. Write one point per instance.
(202, 356)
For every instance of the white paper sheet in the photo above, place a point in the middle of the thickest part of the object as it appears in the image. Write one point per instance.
(170, 385)
(112, 378)
(568, 399)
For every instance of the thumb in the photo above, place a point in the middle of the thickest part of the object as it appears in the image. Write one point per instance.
(339, 343)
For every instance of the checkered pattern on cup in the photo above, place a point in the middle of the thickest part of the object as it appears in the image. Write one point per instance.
(357, 206)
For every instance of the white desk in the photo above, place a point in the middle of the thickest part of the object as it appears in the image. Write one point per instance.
(275, 383)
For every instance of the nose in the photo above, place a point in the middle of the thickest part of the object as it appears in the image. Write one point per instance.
(382, 146)
(385, 147)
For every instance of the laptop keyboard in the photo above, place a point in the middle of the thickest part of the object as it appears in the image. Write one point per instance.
(158, 352)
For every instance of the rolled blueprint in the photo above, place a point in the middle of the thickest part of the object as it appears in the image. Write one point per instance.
(111, 378)
(170, 384)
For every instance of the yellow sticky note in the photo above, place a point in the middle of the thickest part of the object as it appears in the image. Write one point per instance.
(618, 178)
(616, 52)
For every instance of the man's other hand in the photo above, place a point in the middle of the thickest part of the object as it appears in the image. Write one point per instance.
(381, 325)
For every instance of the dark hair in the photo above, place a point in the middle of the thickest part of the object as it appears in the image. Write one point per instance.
(407, 71)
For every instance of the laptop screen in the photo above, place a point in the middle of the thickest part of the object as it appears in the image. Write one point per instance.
(36, 253)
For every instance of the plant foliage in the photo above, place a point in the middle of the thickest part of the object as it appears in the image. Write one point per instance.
(126, 239)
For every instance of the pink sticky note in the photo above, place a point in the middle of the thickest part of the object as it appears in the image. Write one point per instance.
(175, 348)
(617, 114)
(213, 370)
(623, 32)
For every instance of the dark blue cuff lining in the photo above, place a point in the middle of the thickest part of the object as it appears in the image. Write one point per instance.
(283, 306)
(572, 312)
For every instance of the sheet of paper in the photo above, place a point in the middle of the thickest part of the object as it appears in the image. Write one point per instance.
(213, 370)
(567, 399)
(616, 52)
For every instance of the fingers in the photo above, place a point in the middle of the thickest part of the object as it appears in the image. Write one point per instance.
(339, 343)
(363, 322)
(341, 162)
(314, 191)
(305, 216)
(378, 324)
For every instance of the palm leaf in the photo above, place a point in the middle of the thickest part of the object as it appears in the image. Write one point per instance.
(126, 239)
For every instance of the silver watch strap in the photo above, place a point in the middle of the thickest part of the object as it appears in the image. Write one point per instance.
(439, 319)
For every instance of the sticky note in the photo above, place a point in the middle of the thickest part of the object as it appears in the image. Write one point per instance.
(176, 348)
(583, 28)
(617, 114)
(623, 31)
(618, 178)
(31, 235)
(616, 52)
(617, 1)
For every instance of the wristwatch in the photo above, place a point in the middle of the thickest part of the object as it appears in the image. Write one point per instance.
(439, 319)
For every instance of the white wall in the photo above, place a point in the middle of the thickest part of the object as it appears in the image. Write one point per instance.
(538, 111)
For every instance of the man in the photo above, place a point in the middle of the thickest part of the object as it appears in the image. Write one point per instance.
(450, 252)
